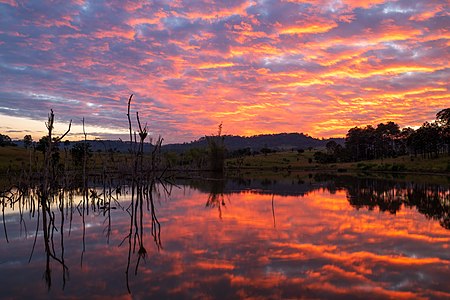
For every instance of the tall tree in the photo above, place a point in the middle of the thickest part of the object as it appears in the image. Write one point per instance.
(359, 142)
(443, 120)
(384, 138)
(402, 141)
(426, 140)
(443, 117)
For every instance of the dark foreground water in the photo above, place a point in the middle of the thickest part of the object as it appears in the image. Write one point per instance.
(259, 239)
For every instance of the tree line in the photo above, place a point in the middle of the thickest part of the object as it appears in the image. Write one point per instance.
(388, 140)
(77, 150)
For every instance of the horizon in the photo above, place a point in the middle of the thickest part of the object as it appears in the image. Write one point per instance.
(257, 67)
(147, 141)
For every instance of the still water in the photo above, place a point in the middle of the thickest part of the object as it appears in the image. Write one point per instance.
(289, 238)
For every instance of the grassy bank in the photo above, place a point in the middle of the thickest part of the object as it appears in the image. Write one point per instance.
(15, 158)
(291, 160)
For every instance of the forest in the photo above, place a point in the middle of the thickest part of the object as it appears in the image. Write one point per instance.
(388, 140)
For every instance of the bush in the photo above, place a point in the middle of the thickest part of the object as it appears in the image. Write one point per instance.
(398, 167)
(365, 167)
(78, 151)
(6, 141)
(324, 158)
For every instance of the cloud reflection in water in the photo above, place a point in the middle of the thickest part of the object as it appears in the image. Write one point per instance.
(319, 247)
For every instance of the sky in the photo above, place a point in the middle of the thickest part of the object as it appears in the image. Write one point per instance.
(317, 67)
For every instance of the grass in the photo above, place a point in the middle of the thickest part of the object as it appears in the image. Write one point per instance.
(278, 160)
(275, 166)
(13, 157)
(17, 158)
(406, 163)
(304, 161)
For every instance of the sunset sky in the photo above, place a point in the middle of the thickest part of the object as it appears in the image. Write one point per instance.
(317, 67)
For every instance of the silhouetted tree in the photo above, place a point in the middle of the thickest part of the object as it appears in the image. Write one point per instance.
(443, 120)
(335, 153)
(401, 141)
(324, 158)
(426, 140)
(384, 139)
(387, 140)
(370, 143)
(331, 146)
(78, 152)
(359, 143)
(42, 146)
(241, 152)
(5, 140)
(265, 151)
(443, 117)
(216, 149)
(27, 141)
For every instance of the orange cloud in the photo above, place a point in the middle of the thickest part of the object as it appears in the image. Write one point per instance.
(319, 28)
(260, 67)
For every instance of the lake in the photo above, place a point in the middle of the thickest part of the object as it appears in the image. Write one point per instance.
(318, 236)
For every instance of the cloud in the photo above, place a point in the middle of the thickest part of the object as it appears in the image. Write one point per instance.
(257, 66)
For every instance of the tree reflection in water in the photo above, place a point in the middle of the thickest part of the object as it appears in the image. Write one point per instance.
(216, 197)
(432, 201)
(143, 194)
(55, 208)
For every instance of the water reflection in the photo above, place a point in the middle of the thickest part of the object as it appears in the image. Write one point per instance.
(389, 196)
(316, 237)
(216, 198)
(142, 194)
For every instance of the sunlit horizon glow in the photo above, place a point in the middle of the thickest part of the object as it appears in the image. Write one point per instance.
(256, 66)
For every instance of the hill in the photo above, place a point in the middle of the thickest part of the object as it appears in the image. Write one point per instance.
(280, 141)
